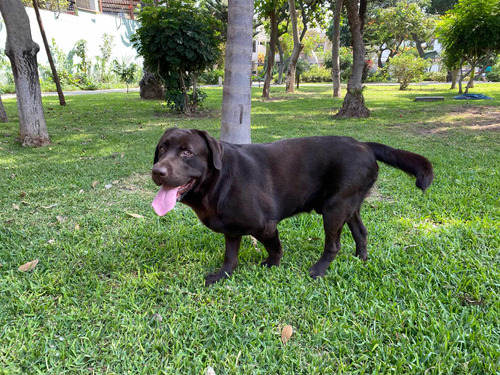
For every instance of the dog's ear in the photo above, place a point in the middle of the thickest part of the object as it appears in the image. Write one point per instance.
(215, 148)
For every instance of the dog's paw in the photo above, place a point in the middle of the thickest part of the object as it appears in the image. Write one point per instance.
(270, 263)
(317, 271)
(214, 277)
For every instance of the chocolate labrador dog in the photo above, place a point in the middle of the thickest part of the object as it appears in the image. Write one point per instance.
(242, 190)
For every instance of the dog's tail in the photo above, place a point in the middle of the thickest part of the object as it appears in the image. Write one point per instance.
(407, 161)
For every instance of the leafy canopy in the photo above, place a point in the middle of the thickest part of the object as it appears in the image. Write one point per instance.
(471, 31)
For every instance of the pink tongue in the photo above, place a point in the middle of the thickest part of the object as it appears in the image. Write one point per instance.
(165, 200)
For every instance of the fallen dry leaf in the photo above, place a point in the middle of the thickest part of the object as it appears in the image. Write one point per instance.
(51, 206)
(77, 227)
(60, 218)
(286, 333)
(51, 242)
(23, 194)
(28, 266)
(94, 184)
(15, 206)
(137, 216)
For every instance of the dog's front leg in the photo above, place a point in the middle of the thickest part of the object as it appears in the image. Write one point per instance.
(230, 261)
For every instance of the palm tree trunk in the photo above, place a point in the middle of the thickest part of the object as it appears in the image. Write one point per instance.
(237, 91)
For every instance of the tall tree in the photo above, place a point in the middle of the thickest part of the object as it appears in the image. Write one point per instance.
(391, 28)
(313, 14)
(337, 15)
(297, 48)
(237, 90)
(60, 93)
(470, 33)
(354, 102)
(271, 10)
(22, 51)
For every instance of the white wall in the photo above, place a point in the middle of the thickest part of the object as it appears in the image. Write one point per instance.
(67, 29)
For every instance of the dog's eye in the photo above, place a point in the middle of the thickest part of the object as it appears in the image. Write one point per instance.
(162, 149)
(186, 153)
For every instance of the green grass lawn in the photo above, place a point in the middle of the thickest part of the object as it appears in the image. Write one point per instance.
(118, 294)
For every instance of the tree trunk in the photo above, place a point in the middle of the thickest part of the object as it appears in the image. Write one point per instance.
(237, 91)
(62, 101)
(470, 84)
(418, 46)
(22, 51)
(462, 77)
(454, 76)
(281, 65)
(354, 102)
(184, 92)
(272, 51)
(297, 48)
(336, 50)
(150, 88)
(3, 114)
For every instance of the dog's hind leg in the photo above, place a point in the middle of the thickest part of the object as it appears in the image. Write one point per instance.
(271, 242)
(333, 220)
(359, 234)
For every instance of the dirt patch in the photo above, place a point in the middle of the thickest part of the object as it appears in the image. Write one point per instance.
(375, 195)
(200, 114)
(463, 117)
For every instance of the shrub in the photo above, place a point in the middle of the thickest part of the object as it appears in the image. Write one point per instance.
(317, 74)
(435, 76)
(211, 77)
(407, 68)
(380, 75)
(494, 74)
(178, 43)
(346, 59)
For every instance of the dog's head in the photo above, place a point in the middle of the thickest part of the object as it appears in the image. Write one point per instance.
(183, 157)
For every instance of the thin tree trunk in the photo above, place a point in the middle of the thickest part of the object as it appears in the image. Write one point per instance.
(272, 51)
(184, 91)
(354, 102)
(22, 51)
(336, 49)
(62, 101)
(461, 79)
(470, 84)
(297, 48)
(281, 65)
(454, 76)
(418, 46)
(3, 114)
(237, 91)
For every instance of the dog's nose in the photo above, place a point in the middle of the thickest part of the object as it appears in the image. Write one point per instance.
(159, 171)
